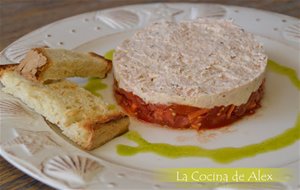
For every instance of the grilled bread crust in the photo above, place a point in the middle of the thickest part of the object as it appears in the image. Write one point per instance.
(43, 64)
(84, 118)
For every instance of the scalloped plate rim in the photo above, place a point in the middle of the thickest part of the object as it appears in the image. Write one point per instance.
(12, 161)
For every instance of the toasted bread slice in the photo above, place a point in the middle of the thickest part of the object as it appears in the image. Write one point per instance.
(84, 118)
(42, 64)
(6, 68)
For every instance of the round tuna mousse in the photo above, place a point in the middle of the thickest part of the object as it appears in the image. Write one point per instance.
(200, 74)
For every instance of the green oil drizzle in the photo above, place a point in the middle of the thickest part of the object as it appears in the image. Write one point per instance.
(109, 55)
(284, 70)
(111, 107)
(95, 84)
(221, 155)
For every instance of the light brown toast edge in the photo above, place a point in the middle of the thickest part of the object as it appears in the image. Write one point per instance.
(97, 131)
(35, 70)
(109, 62)
(8, 67)
(96, 127)
(35, 73)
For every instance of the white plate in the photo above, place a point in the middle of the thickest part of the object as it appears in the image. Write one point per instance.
(31, 145)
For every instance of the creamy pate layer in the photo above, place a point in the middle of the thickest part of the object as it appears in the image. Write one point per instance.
(202, 63)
